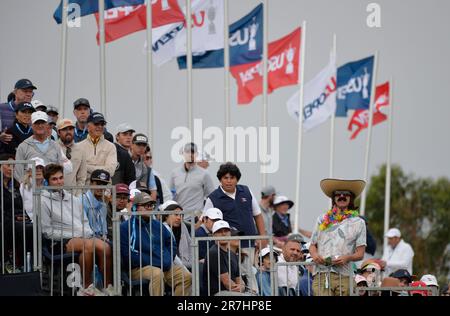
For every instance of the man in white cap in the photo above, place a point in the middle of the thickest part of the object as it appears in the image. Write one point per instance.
(209, 217)
(40, 145)
(431, 281)
(339, 238)
(125, 171)
(398, 254)
(223, 265)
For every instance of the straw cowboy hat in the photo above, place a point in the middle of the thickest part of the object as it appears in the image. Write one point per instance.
(329, 186)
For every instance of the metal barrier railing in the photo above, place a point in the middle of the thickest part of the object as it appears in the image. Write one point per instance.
(14, 220)
(394, 291)
(138, 267)
(209, 288)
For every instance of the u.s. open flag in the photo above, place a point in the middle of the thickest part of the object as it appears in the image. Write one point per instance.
(354, 83)
(245, 42)
(319, 98)
(283, 68)
(122, 21)
(360, 118)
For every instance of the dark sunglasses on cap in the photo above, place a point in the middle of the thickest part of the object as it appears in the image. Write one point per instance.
(345, 193)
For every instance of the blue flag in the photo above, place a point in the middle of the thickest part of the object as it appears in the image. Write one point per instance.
(354, 83)
(91, 6)
(246, 41)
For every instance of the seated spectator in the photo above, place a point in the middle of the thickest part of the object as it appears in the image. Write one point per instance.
(371, 271)
(151, 249)
(39, 145)
(122, 205)
(174, 223)
(221, 275)
(418, 292)
(431, 281)
(404, 276)
(26, 187)
(64, 223)
(11, 206)
(21, 129)
(281, 224)
(94, 204)
(263, 274)
(209, 217)
(288, 275)
(361, 281)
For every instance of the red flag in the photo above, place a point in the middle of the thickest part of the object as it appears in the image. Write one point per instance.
(125, 20)
(360, 118)
(283, 68)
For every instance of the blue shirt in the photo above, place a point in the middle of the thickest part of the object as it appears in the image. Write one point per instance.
(43, 147)
(263, 280)
(96, 212)
(305, 289)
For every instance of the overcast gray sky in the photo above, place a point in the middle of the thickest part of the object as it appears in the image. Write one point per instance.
(414, 49)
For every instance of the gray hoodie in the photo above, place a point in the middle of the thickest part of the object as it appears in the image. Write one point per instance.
(28, 149)
(57, 214)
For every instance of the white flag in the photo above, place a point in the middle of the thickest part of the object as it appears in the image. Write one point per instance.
(207, 32)
(319, 96)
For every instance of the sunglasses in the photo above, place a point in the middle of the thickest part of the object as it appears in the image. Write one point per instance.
(149, 205)
(148, 157)
(345, 193)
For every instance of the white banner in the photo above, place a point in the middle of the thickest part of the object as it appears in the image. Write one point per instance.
(320, 98)
(207, 32)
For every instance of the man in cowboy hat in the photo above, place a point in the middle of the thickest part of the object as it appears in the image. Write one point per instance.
(339, 238)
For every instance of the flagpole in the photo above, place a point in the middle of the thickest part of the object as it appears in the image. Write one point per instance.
(149, 74)
(226, 64)
(333, 115)
(265, 79)
(189, 64)
(63, 61)
(101, 15)
(300, 127)
(387, 201)
(369, 133)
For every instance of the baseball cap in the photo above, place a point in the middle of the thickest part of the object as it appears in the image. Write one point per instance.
(39, 116)
(359, 278)
(24, 84)
(96, 117)
(64, 123)
(140, 139)
(36, 104)
(203, 156)
(264, 252)
(170, 206)
(393, 232)
(403, 274)
(38, 162)
(81, 101)
(53, 109)
(101, 175)
(190, 148)
(122, 188)
(429, 279)
(296, 237)
(219, 225)
(124, 127)
(268, 190)
(213, 213)
(280, 199)
(23, 106)
(142, 198)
